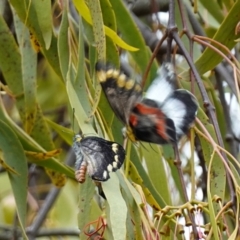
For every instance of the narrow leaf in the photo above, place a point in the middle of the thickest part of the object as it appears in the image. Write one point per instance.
(14, 156)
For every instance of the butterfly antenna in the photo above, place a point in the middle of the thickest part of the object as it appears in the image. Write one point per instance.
(152, 148)
(142, 145)
(177, 162)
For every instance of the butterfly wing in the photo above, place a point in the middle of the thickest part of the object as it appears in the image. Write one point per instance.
(101, 156)
(181, 106)
(122, 92)
(165, 114)
(150, 124)
(163, 85)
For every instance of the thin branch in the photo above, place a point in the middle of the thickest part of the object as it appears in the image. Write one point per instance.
(229, 134)
(32, 231)
(51, 198)
(208, 105)
(173, 28)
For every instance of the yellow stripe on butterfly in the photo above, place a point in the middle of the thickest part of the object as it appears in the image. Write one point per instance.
(85, 13)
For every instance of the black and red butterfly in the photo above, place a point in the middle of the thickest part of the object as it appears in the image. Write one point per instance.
(97, 157)
(164, 115)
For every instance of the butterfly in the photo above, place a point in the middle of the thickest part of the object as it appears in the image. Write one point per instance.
(162, 116)
(97, 157)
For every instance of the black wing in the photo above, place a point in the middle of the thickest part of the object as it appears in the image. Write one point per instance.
(163, 85)
(102, 157)
(166, 122)
(150, 124)
(121, 91)
(181, 106)
(165, 114)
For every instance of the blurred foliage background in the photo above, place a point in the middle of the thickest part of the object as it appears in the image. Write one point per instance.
(48, 50)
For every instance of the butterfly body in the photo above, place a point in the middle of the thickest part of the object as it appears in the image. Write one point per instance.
(163, 116)
(97, 157)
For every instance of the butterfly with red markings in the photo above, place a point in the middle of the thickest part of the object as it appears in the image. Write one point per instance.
(164, 115)
(97, 157)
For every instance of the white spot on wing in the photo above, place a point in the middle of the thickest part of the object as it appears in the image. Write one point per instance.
(105, 174)
(109, 167)
(114, 147)
(116, 158)
(176, 110)
(115, 164)
(161, 88)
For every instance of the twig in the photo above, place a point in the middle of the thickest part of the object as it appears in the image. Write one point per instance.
(208, 105)
(172, 28)
(229, 133)
(32, 231)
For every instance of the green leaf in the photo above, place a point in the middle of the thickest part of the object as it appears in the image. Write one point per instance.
(213, 9)
(10, 64)
(117, 207)
(43, 14)
(146, 180)
(80, 114)
(27, 14)
(156, 167)
(63, 49)
(217, 170)
(98, 27)
(65, 133)
(13, 155)
(225, 35)
(85, 13)
(30, 145)
(86, 193)
(29, 72)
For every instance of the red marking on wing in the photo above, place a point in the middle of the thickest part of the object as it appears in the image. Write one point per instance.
(133, 119)
(157, 116)
(161, 129)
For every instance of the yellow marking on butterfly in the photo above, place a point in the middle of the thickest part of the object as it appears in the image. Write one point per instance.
(116, 158)
(105, 174)
(138, 88)
(78, 139)
(115, 73)
(109, 73)
(121, 81)
(109, 167)
(115, 164)
(129, 85)
(101, 76)
(114, 147)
